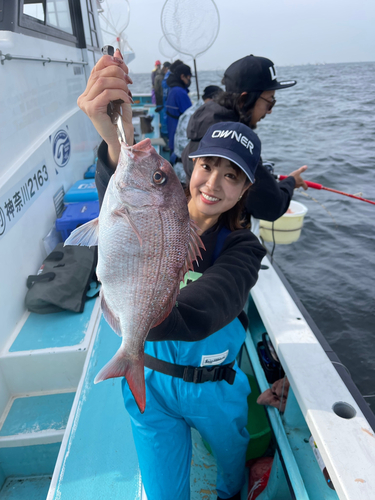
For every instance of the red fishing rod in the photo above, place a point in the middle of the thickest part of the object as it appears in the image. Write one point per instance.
(315, 185)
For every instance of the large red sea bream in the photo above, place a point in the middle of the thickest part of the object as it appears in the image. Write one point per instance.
(146, 243)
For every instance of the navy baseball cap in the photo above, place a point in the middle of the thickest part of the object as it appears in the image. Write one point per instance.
(235, 142)
(253, 74)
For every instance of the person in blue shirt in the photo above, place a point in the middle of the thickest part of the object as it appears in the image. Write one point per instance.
(178, 99)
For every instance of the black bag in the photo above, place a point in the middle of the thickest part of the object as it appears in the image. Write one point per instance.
(269, 360)
(63, 280)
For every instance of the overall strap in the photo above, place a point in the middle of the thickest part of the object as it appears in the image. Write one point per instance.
(221, 237)
(194, 374)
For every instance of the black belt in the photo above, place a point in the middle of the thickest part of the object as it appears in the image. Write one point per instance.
(197, 375)
(172, 116)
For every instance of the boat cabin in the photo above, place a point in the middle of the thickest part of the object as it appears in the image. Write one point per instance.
(47, 51)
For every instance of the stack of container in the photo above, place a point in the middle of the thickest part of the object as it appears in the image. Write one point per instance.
(81, 204)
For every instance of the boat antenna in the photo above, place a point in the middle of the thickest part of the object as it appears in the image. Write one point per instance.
(188, 33)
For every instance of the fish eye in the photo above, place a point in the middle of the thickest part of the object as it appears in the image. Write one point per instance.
(159, 177)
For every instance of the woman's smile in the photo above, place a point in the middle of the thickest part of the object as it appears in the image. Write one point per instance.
(209, 199)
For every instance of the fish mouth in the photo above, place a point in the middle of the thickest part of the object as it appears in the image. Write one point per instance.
(141, 148)
(143, 145)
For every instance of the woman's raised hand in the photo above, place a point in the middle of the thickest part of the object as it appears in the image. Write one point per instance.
(109, 81)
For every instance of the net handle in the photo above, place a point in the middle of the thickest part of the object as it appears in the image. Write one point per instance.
(196, 77)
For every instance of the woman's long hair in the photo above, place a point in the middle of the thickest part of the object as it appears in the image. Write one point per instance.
(233, 218)
(242, 105)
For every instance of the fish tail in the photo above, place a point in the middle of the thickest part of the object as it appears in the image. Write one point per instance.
(132, 369)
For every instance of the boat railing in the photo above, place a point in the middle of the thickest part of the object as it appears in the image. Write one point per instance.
(44, 60)
(317, 394)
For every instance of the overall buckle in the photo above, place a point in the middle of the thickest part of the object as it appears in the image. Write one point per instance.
(199, 375)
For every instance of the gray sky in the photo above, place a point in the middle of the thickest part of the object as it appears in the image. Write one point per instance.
(290, 32)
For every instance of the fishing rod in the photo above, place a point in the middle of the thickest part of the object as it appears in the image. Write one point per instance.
(315, 185)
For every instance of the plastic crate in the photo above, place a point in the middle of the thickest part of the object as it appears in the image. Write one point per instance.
(76, 214)
(83, 190)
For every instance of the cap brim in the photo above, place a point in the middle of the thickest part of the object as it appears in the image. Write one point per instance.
(282, 85)
(223, 153)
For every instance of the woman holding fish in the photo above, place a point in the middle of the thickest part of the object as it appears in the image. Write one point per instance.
(187, 339)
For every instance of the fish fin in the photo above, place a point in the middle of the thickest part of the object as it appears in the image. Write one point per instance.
(109, 316)
(195, 243)
(86, 235)
(126, 215)
(132, 369)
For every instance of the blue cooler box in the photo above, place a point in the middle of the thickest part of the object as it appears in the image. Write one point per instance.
(76, 214)
(90, 172)
(83, 190)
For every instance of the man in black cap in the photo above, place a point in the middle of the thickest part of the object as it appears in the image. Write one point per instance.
(250, 85)
(178, 99)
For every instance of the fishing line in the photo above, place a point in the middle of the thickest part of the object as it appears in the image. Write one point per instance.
(303, 193)
(274, 241)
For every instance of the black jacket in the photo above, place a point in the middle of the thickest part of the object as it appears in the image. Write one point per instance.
(218, 297)
(266, 199)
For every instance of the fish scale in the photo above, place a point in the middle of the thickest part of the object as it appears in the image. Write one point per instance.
(147, 243)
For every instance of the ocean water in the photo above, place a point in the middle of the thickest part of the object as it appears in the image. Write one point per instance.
(327, 121)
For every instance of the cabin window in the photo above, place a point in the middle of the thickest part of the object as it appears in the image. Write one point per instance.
(35, 9)
(58, 15)
(72, 22)
(55, 13)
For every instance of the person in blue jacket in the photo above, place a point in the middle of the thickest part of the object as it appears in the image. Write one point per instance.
(191, 374)
(178, 99)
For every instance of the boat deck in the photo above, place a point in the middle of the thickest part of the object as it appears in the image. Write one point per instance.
(30, 488)
(69, 329)
(42, 364)
(37, 414)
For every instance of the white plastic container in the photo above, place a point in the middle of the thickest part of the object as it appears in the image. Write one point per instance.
(287, 228)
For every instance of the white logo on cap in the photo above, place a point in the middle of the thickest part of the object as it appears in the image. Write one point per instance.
(234, 135)
(273, 72)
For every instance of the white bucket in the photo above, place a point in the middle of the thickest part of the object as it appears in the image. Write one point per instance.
(287, 228)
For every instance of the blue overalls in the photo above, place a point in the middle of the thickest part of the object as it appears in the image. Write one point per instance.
(217, 410)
